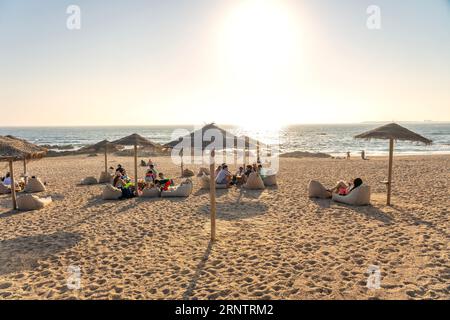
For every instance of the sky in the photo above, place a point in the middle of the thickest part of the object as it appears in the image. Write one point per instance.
(260, 63)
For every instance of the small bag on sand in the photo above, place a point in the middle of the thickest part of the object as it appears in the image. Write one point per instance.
(188, 173)
(203, 171)
(105, 177)
(111, 193)
(30, 202)
(317, 190)
(34, 185)
(4, 189)
(89, 181)
(254, 182)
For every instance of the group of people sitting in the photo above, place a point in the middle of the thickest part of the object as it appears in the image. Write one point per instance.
(153, 179)
(7, 182)
(224, 176)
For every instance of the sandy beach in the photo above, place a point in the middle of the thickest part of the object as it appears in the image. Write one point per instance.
(272, 244)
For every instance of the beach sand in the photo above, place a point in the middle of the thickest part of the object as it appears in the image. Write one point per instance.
(272, 244)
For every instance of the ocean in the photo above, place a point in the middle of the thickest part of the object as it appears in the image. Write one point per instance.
(332, 139)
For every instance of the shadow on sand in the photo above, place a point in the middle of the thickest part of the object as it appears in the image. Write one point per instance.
(23, 253)
(198, 271)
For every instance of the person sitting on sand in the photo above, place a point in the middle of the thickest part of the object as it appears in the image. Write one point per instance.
(120, 169)
(150, 176)
(125, 186)
(248, 170)
(344, 189)
(152, 167)
(7, 180)
(238, 176)
(162, 182)
(219, 168)
(224, 176)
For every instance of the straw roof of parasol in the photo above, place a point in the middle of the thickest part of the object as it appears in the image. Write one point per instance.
(12, 148)
(232, 139)
(100, 147)
(395, 132)
(135, 139)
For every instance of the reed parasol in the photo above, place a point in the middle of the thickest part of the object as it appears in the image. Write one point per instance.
(15, 149)
(392, 132)
(135, 140)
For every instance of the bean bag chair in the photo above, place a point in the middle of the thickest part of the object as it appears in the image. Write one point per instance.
(270, 180)
(202, 171)
(34, 185)
(357, 197)
(111, 193)
(317, 190)
(105, 177)
(205, 183)
(89, 181)
(254, 182)
(182, 190)
(150, 193)
(188, 173)
(29, 202)
(4, 189)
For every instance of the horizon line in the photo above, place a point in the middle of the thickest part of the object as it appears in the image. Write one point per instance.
(219, 124)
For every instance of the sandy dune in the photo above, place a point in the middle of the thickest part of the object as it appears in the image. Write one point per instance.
(273, 244)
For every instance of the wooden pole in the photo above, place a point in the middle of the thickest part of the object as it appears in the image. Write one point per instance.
(257, 152)
(13, 185)
(182, 164)
(135, 170)
(106, 158)
(389, 186)
(25, 174)
(212, 196)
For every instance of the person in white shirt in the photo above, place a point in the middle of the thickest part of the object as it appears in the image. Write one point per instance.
(7, 180)
(224, 176)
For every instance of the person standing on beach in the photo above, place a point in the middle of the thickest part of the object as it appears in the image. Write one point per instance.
(348, 155)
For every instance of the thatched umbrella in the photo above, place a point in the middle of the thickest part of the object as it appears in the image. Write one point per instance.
(135, 140)
(228, 139)
(102, 146)
(14, 149)
(392, 132)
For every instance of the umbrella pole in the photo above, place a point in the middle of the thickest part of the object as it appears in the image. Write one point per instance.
(106, 159)
(389, 186)
(25, 170)
(182, 166)
(135, 170)
(13, 185)
(212, 196)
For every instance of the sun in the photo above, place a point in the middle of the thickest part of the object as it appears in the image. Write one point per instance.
(259, 46)
(258, 39)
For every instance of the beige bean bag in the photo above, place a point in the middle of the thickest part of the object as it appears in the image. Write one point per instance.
(270, 180)
(202, 171)
(30, 202)
(4, 189)
(205, 183)
(357, 197)
(105, 177)
(188, 173)
(111, 193)
(34, 185)
(150, 193)
(254, 182)
(182, 190)
(89, 181)
(317, 190)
